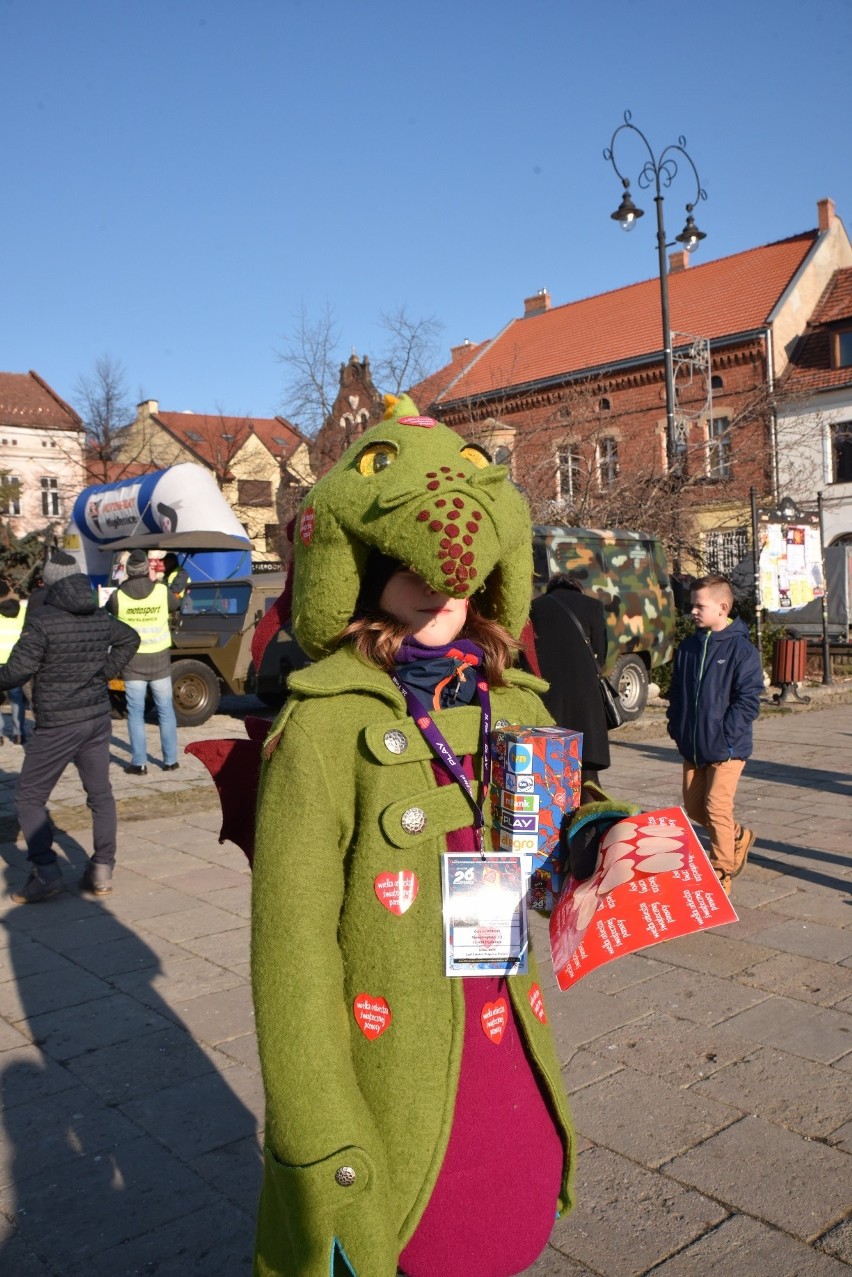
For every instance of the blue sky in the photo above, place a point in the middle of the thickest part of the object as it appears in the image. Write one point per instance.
(182, 177)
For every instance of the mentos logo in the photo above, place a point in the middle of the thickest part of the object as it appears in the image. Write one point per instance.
(519, 759)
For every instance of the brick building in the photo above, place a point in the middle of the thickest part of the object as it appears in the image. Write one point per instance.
(573, 396)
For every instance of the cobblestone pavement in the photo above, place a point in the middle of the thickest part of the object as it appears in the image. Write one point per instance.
(710, 1076)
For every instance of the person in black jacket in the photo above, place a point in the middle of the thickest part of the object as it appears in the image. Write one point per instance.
(566, 657)
(70, 648)
(714, 698)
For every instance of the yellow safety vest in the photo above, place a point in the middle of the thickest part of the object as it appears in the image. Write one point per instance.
(10, 632)
(149, 617)
(177, 593)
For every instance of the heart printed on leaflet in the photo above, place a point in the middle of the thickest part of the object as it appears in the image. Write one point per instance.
(537, 1003)
(397, 891)
(493, 1018)
(373, 1015)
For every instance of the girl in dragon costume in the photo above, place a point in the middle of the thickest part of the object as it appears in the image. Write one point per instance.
(403, 1133)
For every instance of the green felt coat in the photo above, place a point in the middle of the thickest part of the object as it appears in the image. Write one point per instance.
(329, 823)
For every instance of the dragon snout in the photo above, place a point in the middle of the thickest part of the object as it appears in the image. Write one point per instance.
(454, 519)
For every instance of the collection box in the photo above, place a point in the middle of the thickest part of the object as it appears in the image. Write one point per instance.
(535, 780)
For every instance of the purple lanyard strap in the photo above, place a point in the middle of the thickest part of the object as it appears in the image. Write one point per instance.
(449, 761)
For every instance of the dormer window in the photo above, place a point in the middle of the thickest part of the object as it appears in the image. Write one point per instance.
(842, 352)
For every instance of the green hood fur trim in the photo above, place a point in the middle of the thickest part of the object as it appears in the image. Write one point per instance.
(412, 489)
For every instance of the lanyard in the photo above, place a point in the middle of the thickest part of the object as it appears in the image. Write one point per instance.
(437, 743)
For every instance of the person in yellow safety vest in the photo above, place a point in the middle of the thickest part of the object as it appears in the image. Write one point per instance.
(175, 577)
(13, 612)
(145, 606)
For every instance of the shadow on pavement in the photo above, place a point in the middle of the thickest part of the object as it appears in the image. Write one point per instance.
(125, 1150)
(780, 773)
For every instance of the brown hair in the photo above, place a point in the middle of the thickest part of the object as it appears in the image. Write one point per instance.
(377, 637)
(719, 586)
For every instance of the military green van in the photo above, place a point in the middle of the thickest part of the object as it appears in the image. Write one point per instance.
(627, 571)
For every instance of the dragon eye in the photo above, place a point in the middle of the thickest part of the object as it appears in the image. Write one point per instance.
(376, 457)
(476, 455)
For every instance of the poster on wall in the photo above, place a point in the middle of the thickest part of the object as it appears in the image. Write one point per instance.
(790, 562)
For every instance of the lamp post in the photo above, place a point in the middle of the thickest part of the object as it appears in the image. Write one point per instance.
(660, 172)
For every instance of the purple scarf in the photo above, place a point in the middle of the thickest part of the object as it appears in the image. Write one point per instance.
(444, 672)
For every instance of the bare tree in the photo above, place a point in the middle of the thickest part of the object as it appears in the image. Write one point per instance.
(410, 350)
(106, 410)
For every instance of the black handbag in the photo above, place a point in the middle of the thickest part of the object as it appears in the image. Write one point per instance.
(609, 696)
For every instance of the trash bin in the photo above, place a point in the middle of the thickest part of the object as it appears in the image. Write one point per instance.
(789, 665)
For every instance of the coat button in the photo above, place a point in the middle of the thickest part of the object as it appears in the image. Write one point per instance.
(345, 1176)
(396, 742)
(413, 820)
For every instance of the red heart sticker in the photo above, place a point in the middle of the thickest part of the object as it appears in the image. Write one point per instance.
(537, 1003)
(373, 1015)
(397, 891)
(493, 1018)
(306, 527)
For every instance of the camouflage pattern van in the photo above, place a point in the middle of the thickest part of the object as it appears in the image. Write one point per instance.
(627, 571)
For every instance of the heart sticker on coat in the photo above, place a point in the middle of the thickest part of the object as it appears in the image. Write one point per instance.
(373, 1015)
(493, 1018)
(537, 1003)
(397, 891)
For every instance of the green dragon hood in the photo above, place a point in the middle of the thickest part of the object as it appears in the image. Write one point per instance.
(412, 489)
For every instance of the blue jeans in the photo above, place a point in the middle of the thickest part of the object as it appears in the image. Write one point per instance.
(18, 706)
(161, 690)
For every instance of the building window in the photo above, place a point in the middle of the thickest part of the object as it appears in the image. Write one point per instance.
(843, 349)
(719, 464)
(254, 492)
(608, 461)
(605, 405)
(50, 498)
(567, 473)
(10, 494)
(716, 382)
(841, 452)
(724, 549)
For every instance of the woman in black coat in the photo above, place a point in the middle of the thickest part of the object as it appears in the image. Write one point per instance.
(566, 662)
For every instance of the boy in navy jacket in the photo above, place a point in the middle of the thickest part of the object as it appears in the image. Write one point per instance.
(713, 701)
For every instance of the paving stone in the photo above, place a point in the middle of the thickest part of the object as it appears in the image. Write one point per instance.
(823, 983)
(763, 1170)
(677, 1051)
(156, 863)
(754, 892)
(646, 1119)
(207, 878)
(578, 1015)
(832, 910)
(31, 1076)
(149, 901)
(217, 1017)
(203, 1113)
(227, 949)
(584, 1068)
(692, 995)
(64, 986)
(632, 969)
(810, 939)
(25, 957)
(712, 952)
(217, 1241)
(95, 1203)
(552, 1263)
(203, 920)
(744, 1245)
(71, 1031)
(750, 922)
(236, 1170)
(42, 1135)
(16, 1257)
(95, 927)
(838, 1241)
(11, 1039)
(235, 899)
(119, 957)
(817, 1033)
(176, 981)
(242, 1049)
(842, 1137)
(123, 1071)
(798, 1094)
(613, 1231)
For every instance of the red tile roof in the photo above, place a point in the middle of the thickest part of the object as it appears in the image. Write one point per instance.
(715, 299)
(428, 390)
(27, 400)
(201, 431)
(810, 366)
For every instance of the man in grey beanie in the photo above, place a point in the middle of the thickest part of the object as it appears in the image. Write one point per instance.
(70, 648)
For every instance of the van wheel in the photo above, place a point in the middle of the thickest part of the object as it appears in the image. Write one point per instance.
(195, 690)
(630, 679)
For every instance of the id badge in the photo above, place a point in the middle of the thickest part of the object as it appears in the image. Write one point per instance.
(486, 930)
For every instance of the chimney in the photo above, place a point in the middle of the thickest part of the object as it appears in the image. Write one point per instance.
(678, 261)
(456, 352)
(537, 305)
(827, 215)
(148, 408)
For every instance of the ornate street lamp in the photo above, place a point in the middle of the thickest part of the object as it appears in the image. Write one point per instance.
(660, 172)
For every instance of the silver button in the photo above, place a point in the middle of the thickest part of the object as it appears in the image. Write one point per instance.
(345, 1176)
(413, 820)
(501, 722)
(396, 742)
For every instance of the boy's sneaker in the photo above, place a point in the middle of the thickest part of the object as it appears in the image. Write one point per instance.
(38, 888)
(97, 879)
(743, 844)
(724, 882)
